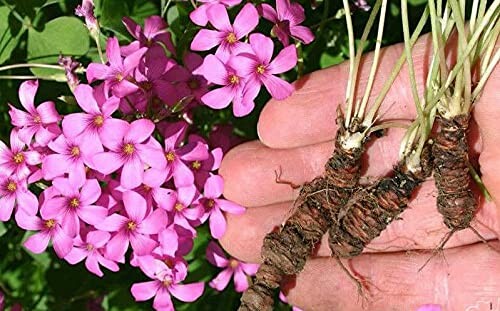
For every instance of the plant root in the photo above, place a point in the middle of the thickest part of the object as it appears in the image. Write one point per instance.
(371, 209)
(455, 199)
(286, 250)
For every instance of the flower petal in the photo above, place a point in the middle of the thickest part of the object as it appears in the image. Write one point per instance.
(187, 292)
(206, 39)
(221, 280)
(139, 131)
(132, 173)
(262, 46)
(141, 244)
(215, 255)
(112, 223)
(230, 207)
(284, 61)
(92, 214)
(93, 265)
(96, 71)
(154, 223)
(117, 246)
(107, 162)
(27, 92)
(219, 98)
(61, 242)
(279, 89)
(145, 290)
(217, 223)
(268, 12)
(246, 20)
(75, 255)
(113, 52)
(38, 242)
(48, 113)
(135, 205)
(217, 16)
(84, 95)
(214, 187)
(302, 33)
(240, 280)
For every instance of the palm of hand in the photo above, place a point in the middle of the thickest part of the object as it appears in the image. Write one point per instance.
(296, 134)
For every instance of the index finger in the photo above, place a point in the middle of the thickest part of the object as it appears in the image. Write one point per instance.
(308, 116)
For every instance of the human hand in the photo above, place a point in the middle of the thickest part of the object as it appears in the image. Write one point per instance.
(297, 135)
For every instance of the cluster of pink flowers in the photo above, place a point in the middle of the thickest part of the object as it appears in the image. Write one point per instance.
(127, 179)
(238, 69)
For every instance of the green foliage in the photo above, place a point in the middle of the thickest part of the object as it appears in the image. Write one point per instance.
(11, 31)
(45, 46)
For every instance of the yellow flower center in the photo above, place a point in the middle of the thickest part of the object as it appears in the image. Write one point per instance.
(128, 149)
(167, 282)
(211, 203)
(234, 79)
(231, 38)
(98, 121)
(75, 151)
(170, 156)
(179, 207)
(196, 165)
(90, 247)
(146, 86)
(233, 263)
(12, 186)
(49, 224)
(19, 158)
(261, 69)
(37, 119)
(131, 225)
(74, 203)
(119, 76)
(146, 187)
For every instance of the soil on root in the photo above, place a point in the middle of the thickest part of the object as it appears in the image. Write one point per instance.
(372, 209)
(286, 249)
(455, 199)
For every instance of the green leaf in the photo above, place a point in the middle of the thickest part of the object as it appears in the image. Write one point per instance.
(3, 230)
(328, 60)
(10, 33)
(113, 11)
(64, 35)
(417, 2)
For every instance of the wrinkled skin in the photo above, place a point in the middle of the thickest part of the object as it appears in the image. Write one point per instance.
(297, 134)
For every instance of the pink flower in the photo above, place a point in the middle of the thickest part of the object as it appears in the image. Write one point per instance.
(231, 76)
(2, 301)
(237, 269)
(177, 157)
(134, 228)
(15, 160)
(166, 282)
(261, 69)
(430, 307)
(154, 32)
(72, 204)
(72, 155)
(180, 204)
(119, 71)
(129, 150)
(91, 249)
(202, 169)
(227, 36)
(38, 122)
(199, 15)
(86, 10)
(214, 206)
(286, 19)
(49, 229)
(70, 66)
(14, 191)
(174, 241)
(96, 124)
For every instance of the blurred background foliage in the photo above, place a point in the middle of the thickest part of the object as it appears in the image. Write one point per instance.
(38, 31)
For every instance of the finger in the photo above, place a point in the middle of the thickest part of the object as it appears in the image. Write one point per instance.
(421, 227)
(249, 169)
(467, 280)
(487, 115)
(308, 116)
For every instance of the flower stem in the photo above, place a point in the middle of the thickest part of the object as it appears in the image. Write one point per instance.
(15, 66)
